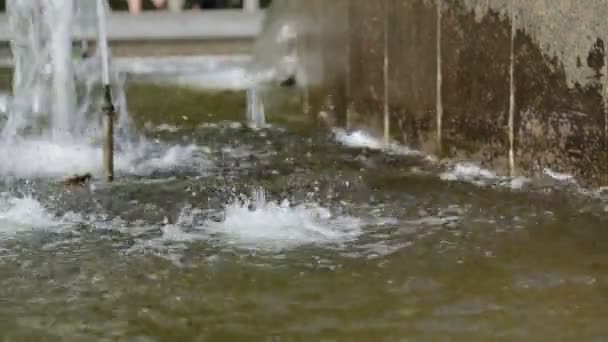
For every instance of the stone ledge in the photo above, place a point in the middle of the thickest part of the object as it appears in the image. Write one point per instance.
(154, 26)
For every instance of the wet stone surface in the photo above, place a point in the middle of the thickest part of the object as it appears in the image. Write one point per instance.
(392, 62)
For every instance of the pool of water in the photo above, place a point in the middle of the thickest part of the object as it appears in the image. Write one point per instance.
(218, 232)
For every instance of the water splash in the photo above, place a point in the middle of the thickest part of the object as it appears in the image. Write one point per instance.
(53, 124)
(474, 174)
(53, 92)
(34, 158)
(362, 139)
(255, 108)
(25, 213)
(563, 177)
(275, 55)
(258, 224)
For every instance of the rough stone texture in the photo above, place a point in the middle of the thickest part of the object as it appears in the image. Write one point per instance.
(367, 50)
(560, 77)
(412, 91)
(476, 59)
(379, 59)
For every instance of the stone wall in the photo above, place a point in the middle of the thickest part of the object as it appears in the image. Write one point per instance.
(518, 85)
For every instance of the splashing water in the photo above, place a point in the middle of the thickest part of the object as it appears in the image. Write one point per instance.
(362, 139)
(54, 94)
(255, 108)
(275, 54)
(22, 214)
(4, 103)
(53, 122)
(259, 224)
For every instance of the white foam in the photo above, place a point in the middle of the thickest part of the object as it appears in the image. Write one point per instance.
(358, 139)
(562, 177)
(475, 174)
(261, 225)
(468, 172)
(32, 158)
(362, 139)
(23, 214)
(145, 163)
(166, 128)
(40, 157)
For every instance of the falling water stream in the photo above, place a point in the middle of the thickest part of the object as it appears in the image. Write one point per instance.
(256, 115)
(217, 232)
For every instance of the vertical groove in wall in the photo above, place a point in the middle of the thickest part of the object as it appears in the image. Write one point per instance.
(512, 93)
(348, 75)
(605, 176)
(439, 81)
(385, 74)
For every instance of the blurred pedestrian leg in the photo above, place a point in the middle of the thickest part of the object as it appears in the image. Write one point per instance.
(197, 4)
(175, 5)
(135, 5)
(159, 3)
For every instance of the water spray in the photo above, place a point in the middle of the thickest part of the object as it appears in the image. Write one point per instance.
(108, 107)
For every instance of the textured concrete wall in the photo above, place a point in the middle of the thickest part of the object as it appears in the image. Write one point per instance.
(519, 85)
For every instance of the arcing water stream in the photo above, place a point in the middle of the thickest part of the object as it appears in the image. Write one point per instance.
(347, 240)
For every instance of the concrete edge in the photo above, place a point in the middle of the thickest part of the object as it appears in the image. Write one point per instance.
(153, 26)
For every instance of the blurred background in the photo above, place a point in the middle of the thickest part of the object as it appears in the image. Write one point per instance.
(121, 5)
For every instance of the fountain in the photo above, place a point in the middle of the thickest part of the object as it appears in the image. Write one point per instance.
(58, 93)
(256, 115)
(274, 59)
(476, 79)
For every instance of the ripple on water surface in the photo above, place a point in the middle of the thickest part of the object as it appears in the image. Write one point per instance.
(437, 257)
(56, 158)
(261, 225)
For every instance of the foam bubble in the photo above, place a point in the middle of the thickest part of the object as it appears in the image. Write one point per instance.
(166, 128)
(145, 163)
(358, 139)
(464, 172)
(562, 177)
(42, 157)
(23, 214)
(468, 172)
(362, 139)
(475, 174)
(261, 225)
(33, 158)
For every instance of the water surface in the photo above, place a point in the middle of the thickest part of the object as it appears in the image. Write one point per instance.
(293, 232)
